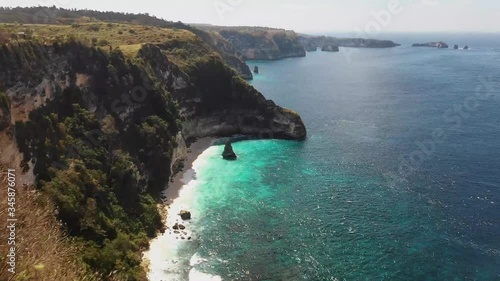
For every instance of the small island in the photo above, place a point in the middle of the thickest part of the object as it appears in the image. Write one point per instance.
(439, 45)
(330, 48)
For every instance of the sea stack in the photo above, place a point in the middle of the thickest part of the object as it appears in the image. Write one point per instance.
(330, 48)
(256, 70)
(228, 152)
(455, 47)
(466, 47)
(442, 45)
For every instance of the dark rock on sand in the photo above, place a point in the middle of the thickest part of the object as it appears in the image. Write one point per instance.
(185, 215)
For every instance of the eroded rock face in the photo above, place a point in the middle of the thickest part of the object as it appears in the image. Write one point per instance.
(228, 152)
(277, 123)
(222, 104)
(311, 48)
(227, 51)
(330, 48)
(264, 43)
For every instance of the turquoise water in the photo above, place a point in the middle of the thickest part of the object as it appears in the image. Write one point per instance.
(344, 204)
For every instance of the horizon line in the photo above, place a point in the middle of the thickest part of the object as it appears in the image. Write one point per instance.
(302, 31)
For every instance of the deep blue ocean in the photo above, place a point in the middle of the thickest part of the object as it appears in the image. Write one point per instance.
(399, 178)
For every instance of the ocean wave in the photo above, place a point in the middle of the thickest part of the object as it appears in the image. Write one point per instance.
(170, 257)
(196, 275)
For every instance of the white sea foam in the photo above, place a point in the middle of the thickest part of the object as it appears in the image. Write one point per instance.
(195, 275)
(165, 257)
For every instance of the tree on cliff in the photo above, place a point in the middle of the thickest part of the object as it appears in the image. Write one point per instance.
(4, 38)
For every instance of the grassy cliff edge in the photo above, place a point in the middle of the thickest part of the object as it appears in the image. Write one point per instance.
(97, 109)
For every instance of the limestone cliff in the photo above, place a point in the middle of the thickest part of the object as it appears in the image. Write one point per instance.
(53, 15)
(103, 129)
(215, 102)
(260, 43)
(227, 51)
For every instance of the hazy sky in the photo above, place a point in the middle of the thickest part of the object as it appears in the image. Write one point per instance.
(309, 15)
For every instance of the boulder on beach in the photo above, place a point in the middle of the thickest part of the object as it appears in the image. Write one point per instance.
(228, 152)
(185, 215)
(178, 226)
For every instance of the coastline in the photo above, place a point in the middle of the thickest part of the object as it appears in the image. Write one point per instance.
(171, 192)
(161, 260)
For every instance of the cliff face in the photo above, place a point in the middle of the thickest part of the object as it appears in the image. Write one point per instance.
(103, 127)
(53, 15)
(227, 51)
(259, 43)
(213, 101)
(265, 44)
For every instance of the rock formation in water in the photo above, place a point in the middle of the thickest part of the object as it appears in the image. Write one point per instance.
(330, 48)
(256, 70)
(313, 42)
(228, 152)
(455, 47)
(439, 45)
(466, 47)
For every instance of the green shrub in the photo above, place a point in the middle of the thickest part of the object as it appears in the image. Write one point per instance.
(4, 111)
(94, 27)
(103, 42)
(106, 191)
